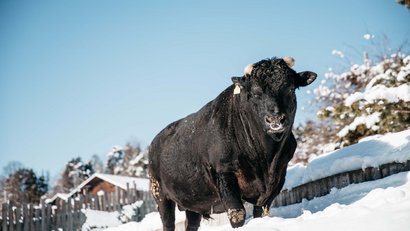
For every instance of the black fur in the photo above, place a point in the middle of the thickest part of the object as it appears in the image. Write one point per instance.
(230, 150)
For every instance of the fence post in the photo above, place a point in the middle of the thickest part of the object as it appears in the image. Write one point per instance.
(4, 216)
(43, 216)
(37, 219)
(117, 206)
(18, 214)
(77, 211)
(64, 218)
(11, 217)
(49, 216)
(57, 215)
(128, 193)
(70, 214)
(31, 217)
(135, 193)
(26, 218)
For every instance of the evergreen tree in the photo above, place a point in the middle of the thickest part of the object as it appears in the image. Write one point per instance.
(135, 161)
(115, 161)
(97, 164)
(127, 161)
(75, 172)
(24, 186)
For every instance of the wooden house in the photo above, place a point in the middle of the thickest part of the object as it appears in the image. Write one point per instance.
(100, 183)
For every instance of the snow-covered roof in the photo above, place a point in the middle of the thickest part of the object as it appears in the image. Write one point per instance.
(117, 180)
(141, 184)
(63, 196)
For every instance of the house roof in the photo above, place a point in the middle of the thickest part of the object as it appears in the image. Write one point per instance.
(63, 196)
(141, 184)
(120, 181)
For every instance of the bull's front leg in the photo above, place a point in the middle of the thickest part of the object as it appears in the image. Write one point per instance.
(230, 195)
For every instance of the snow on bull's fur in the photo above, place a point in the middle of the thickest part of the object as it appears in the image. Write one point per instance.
(234, 149)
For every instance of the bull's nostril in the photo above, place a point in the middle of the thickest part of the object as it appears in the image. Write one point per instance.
(282, 119)
(268, 119)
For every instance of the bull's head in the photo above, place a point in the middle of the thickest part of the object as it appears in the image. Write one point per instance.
(268, 89)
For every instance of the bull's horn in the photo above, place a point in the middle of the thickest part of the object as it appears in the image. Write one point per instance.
(248, 69)
(289, 60)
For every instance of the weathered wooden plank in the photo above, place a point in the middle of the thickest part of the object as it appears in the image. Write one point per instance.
(43, 216)
(26, 218)
(49, 217)
(37, 220)
(31, 217)
(70, 214)
(4, 216)
(11, 217)
(64, 217)
(57, 214)
(18, 219)
(129, 199)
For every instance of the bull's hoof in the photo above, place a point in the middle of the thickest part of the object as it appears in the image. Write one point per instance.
(265, 211)
(236, 217)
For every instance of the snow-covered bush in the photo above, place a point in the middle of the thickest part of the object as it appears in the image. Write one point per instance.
(362, 98)
(370, 98)
(128, 161)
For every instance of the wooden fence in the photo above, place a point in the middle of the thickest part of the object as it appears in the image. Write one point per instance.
(67, 215)
(323, 186)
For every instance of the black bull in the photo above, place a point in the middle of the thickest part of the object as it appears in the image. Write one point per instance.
(236, 148)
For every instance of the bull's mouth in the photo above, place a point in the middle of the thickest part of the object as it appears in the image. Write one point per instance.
(275, 130)
(275, 126)
(275, 134)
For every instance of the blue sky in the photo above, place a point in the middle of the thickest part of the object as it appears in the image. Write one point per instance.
(77, 77)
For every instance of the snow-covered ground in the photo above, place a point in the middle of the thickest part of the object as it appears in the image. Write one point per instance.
(371, 151)
(375, 205)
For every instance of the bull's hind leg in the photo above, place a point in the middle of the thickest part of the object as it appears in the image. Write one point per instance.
(230, 195)
(166, 207)
(193, 220)
(167, 212)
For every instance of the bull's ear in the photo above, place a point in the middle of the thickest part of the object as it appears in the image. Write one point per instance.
(237, 80)
(305, 78)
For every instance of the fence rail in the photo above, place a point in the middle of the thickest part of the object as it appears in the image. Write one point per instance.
(67, 215)
(323, 186)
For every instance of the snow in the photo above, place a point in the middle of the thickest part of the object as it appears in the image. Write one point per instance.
(371, 152)
(121, 181)
(378, 205)
(338, 53)
(370, 121)
(381, 92)
(382, 204)
(128, 211)
(368, 36)
(98, 220)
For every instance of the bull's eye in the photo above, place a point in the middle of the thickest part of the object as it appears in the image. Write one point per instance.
(257, 92)
(258, 96)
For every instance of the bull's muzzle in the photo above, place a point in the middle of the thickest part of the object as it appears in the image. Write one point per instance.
(275, 123)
